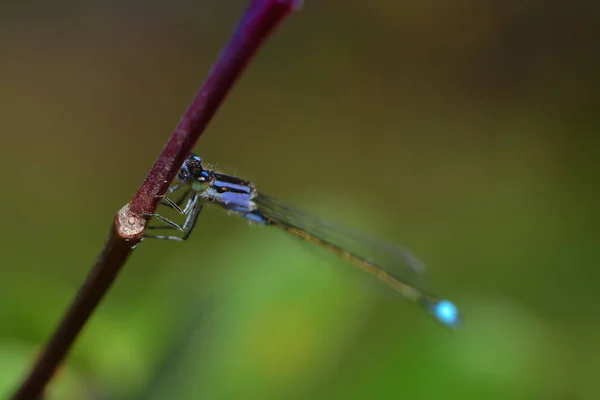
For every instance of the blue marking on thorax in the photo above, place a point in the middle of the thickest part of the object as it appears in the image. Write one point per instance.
(240, 202)
(259, 219)
(234, 195)
(232, 186)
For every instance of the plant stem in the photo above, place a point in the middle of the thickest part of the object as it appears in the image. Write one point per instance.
(260, 19)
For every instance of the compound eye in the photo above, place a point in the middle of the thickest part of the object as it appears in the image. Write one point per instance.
(204, 177)
(183, 175)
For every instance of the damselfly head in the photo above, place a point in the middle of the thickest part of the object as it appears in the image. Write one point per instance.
(193, 173)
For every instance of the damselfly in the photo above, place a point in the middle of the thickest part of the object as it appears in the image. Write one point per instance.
(393, 265)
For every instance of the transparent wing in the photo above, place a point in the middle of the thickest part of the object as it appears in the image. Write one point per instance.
(396, 260)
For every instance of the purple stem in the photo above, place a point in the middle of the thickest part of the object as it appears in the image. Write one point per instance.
(259, 20)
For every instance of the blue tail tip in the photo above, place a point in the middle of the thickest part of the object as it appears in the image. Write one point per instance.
(447, 313)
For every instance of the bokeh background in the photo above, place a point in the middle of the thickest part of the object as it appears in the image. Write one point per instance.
(466, 130)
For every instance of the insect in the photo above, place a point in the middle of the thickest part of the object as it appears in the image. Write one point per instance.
(393, 265)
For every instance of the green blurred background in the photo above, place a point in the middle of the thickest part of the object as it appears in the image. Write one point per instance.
(466, 130)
